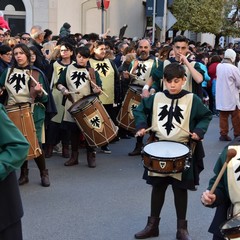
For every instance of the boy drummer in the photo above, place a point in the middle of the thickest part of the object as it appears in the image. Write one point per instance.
(167, 108)
(76, 79)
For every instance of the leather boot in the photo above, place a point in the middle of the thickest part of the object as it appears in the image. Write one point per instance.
(48, 150)
(151, 229)
(65, 151)
(73, 159)
(23, 179)
(45, 178)
(137, 150)
(91, 159)
(182, 232)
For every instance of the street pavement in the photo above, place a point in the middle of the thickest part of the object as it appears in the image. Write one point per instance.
(111, 201)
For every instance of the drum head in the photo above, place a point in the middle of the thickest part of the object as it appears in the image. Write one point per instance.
(165, 149)
(231, 228)
(82, 103)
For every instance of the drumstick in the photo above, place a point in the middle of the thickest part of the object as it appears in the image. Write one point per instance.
(74, 92)
(133, 75)
(182, 129)
(95, 85)
(146, 130)
(231, 153)
(35, 81)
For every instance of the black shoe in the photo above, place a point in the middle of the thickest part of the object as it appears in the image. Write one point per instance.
(125, 137)
(225, 138)
(137, 150)
(105, 149)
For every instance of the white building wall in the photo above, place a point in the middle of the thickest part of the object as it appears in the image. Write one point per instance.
(84, 16)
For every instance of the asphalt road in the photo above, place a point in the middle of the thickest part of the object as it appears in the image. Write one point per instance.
(110, 202)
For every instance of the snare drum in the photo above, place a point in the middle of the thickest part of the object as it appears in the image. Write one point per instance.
(132, 99)
(165, 157)
(21, 116)
(94, 121)
(231, 228)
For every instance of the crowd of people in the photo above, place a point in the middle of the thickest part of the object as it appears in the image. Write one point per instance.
(179, 82)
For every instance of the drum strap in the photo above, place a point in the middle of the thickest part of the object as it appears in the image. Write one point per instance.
(35, 74)
(92, 75)
(152, 138)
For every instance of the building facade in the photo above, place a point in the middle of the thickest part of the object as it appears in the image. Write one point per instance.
(83, 15)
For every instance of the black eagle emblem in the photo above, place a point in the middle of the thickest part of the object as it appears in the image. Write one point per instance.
(17, 78)
(170, 115)
(95, 121)
(141, 68)
(103, 67)
(80, 77)
(238, 171)
(60, 71)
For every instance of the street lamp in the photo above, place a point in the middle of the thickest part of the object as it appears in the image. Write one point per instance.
(103, 5)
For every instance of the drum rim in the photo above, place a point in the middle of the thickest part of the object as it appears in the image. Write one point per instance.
(131, 86)
(161, 172)
(95, 98)
(157, 157)
(230, 231)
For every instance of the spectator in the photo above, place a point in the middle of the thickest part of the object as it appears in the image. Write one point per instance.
(37, 37)
(47, 36)
(227, 95)
(2, 36)
(65, 30)
(3, 23)
(25, 38)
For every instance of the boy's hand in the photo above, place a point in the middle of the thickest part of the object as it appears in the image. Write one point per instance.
(194, 136)
(208, 198)
(140, 133)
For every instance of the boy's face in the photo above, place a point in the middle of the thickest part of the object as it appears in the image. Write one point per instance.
(82, 61)
(180, 48)
(174, 86)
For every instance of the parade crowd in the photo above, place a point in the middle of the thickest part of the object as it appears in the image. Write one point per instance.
(168, 91)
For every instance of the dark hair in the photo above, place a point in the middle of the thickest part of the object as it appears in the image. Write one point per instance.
(180, 38)
(70, 47)
(48, 33)
(93, 37)
(24, 33)
(66, 25)
(25, 50)
(67, 45)
(83, 51)
(174, 70)
(5, 49)
(38, 62)
(215, 58)
(98, 43)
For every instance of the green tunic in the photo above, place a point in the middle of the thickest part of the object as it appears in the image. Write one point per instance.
(144, 69)
(76, 79)
(198, 122)
(18, 89)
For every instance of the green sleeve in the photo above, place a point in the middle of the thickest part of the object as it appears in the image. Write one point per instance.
(98, 79)
(143, 112)
(222, 187)
(62, 78)
(13, 146)
(3, 78)
(157, 76)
